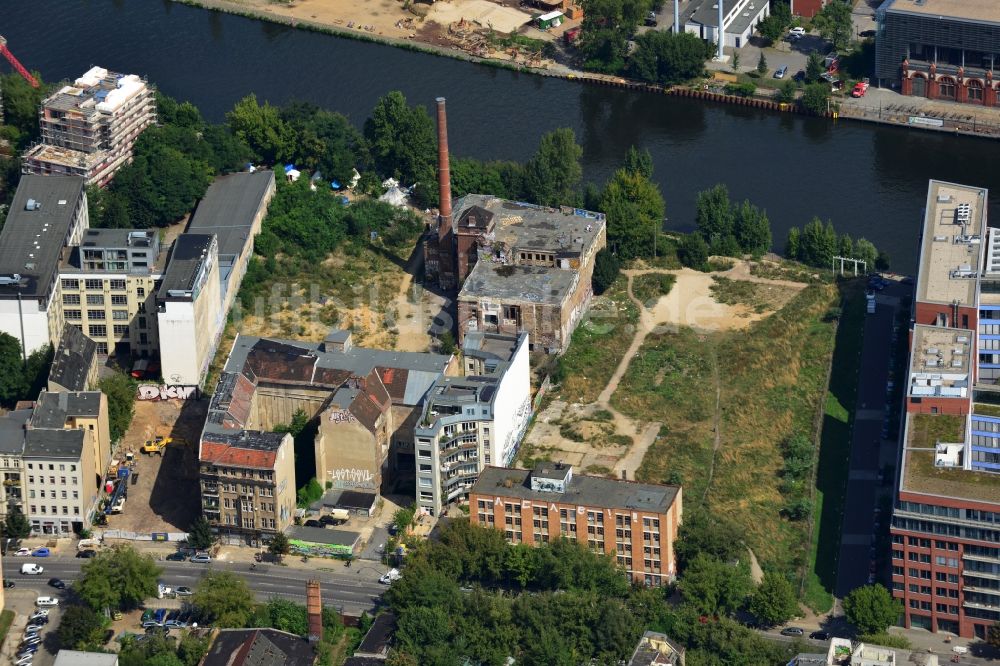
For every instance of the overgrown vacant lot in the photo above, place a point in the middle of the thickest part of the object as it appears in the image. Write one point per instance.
(760, 386)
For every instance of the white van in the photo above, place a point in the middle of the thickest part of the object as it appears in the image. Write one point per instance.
(87, 544)
(31, 569)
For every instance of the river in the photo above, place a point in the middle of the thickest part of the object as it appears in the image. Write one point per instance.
(869, 180)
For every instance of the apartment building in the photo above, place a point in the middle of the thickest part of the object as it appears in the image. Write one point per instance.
(90, 127)
(108, 286)
(81, 410)
(46, 216)
(472, 421)
(189, 313)
(248, 482)
(939, 49)
(12, 426)
(636, 523)
(945, 559)
(74, 363)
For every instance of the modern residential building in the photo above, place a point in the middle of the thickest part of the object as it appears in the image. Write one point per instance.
(939, 49)
(232, 210)
(265, 382)
(108, 285)
(12, 426)
(635, 522)
(46, 216)
(90, 127)
(517, 267)
(945, 560)
(472, 421)
(740, 19)
(74, 363)
(248, 482)
(189, 310)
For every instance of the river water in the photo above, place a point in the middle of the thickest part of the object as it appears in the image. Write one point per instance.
(870, 180)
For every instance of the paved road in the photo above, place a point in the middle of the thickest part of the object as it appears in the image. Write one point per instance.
(862, 484)
(352, 590)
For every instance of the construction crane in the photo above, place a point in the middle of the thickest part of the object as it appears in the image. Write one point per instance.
(15, 64)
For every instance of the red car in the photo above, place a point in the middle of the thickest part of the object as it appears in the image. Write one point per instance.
(860, 88)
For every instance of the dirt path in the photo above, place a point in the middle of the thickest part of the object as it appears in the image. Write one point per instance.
(716, 421)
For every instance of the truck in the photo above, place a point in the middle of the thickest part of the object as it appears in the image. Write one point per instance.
(390, 577)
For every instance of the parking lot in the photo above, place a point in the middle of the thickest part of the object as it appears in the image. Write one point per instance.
(21, 600)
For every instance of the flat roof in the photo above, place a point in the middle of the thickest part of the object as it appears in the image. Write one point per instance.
(940, 362)
(526, 284)
(32, 241)
(229, 207)
(920, 473)
(78, 658)
(585, 490)
(67, 157)
(323, 535)
(186, 259)
(492, 345)
(951, 252)
(984, 11)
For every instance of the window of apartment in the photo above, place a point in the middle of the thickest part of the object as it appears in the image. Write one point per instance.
(71, 299)
(68, 283)
(95, 314)
(99, 331)
(94, 284)
(76, 495)
(424, 453)
(142, 322)
(143, 339)
(119, 300)
(95, 299)
(117, 285)
(62, 479)
(140, 292)
(120, 315)
(41, 493)
(120, 330)
(76, 511)
(102, 347)
(74, 314)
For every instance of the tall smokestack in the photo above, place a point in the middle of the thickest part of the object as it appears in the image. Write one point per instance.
(444, 171)
(314, 611)
(721, 34)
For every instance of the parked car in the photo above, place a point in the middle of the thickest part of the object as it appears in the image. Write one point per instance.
(160, 615)
(86, 553)
(865, 34)
(390, 576)
(23, 552)
(799, 75)
(313, 523)
(57, 583)
(792, 631)
(41, 612)
(860, 88)
(41, 552)
(33, 628)
(116, 615)
(176, 557)
(183, 591)
(26, 660)
(8, 583)
(201, 558)
(780, 72)
(147, 615)
(798, 31)
(46, 601)
(820, 636)
(31, 639)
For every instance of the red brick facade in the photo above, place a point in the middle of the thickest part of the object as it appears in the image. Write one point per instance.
(955, 87)
(642, 542)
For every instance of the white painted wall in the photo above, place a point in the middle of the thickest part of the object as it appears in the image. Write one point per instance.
(36, 322)
(511, 408)
(179, 361)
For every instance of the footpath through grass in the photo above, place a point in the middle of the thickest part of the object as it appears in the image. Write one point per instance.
(771, 379)
(835, 452)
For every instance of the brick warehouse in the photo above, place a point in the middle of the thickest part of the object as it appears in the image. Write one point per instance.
(940, 49)
(637, 523)
(517, 267)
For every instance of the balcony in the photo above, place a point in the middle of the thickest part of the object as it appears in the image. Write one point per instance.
(210, 489)
(210, 504)
(995, 575)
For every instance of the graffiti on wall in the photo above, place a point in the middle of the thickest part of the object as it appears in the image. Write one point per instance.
(352, 478)
(154, 392)
(342, 416)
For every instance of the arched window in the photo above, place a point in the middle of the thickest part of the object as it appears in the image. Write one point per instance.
(946, 87)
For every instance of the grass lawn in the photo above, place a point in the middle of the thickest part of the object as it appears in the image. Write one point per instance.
(649, 287)
(598, 345)
(835, 453)
(772, 383)
(6, 619)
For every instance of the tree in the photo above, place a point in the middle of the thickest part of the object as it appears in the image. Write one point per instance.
(552, 175)
(716, 536)
(607, 27)
(814, 67)
(325, 140)
(262, 128)
(279, 545)
(993, 635)
(693, 251)
(714, 217)
(200, 534)
(119, 577)
(447, 340)
(635, 210)
(287, 616)
(606, 267)
(309, 493)
(80, 628)
(191, 649)
(762, 64)
(834, 23)
(786, 92)
(752, 229)
(872, 609)
(882, 262)
(793, 247)
(224, 599)
(773, 602)
(736, 61)
(20, 106)
(817, 244)
(816, 98)
(770, 28)
(639, 162)
(403, 518)
(13, 384)
(16, 526)
(402, 141)
(669, 59)
(120, 390)
(715, 587)
(845, 245)
(865, 250)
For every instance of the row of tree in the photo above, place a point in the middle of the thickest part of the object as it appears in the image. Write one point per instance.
(816, 244)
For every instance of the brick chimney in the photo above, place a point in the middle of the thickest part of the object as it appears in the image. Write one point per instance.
(314, 609)
(444, 171)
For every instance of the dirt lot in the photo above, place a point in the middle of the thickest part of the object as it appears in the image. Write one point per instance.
(165, 495)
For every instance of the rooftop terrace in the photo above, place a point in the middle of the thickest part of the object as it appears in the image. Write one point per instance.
(953, 242)
(922, 475)
(940, 362)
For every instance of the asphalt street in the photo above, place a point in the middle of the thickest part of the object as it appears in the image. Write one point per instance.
(863, 486)
(351, 590)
